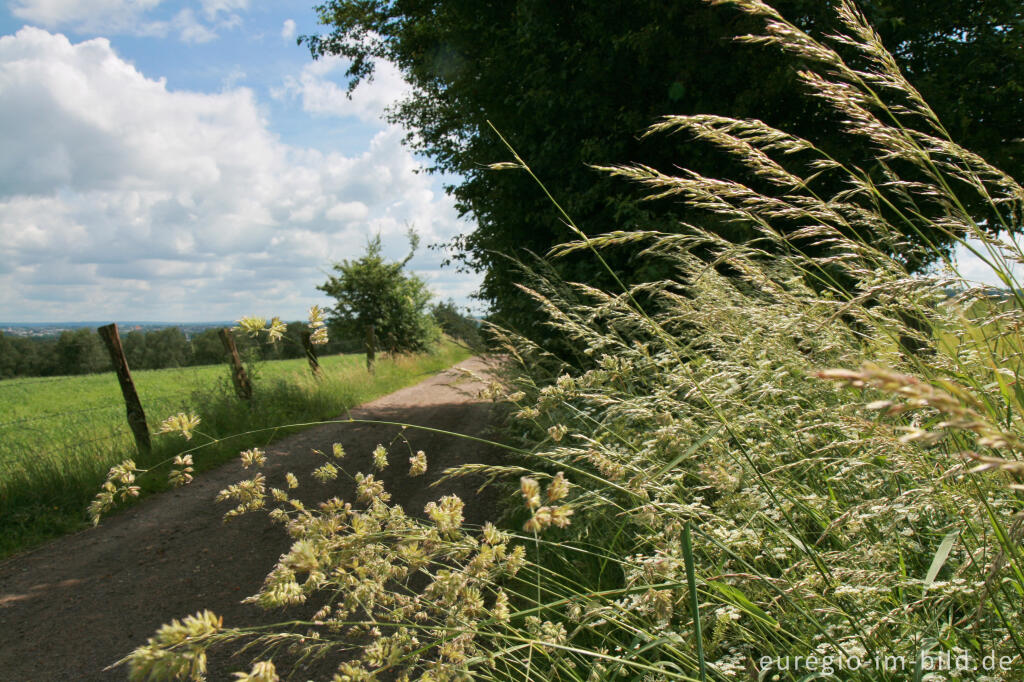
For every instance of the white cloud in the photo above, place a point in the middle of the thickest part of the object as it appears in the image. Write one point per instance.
(190, 30)
(321, 87)
(132, 17)
(347, 211)
(113, 15)
(177, 204)
(288, 29)
(973, 269)
(213, 8)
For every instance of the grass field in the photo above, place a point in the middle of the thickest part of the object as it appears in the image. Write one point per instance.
(44, 416)
(60, 435)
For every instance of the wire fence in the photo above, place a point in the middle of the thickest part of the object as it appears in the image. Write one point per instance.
(33, 425)
(55, 436)
(18, 383)
(15, 468)
(54, 433)
(58, 443)
(200, 381)
(197, 372)
(152, 401)
(53, 415)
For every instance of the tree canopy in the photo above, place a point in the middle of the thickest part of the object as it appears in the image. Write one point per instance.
(457, 324)
(575, 83)
(371, 290)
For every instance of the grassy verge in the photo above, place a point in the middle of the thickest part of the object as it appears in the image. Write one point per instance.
(48, 478)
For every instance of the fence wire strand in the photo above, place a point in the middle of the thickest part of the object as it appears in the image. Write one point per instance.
(153, 402)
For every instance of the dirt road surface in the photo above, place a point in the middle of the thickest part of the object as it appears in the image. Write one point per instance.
(76, 605)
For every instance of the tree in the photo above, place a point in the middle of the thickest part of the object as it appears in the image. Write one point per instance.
(574, 83)
(134, 345)
(457, 325)
(8, 358)
(207, 348)
(81, 352)
(166, 348)
(372, 291)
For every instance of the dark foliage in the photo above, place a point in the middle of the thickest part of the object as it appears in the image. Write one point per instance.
(575, 83)
(457, 325)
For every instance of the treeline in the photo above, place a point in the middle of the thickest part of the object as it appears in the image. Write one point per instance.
(82, 351)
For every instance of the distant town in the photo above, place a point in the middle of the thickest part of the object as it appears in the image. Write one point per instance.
(47, 329)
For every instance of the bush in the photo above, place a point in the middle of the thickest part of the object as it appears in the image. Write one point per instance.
(700, 500)
(372, 291)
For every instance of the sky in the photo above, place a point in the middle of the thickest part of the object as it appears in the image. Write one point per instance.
(185, 160)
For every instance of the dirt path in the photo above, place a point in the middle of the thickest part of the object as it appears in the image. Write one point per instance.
(76, 605)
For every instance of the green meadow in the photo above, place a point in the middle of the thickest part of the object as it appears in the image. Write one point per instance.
(62, 412)
(59, 436)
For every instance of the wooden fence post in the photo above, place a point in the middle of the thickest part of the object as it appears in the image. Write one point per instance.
(314, 364)
(243, 387)
(371, 347)
(136, 415)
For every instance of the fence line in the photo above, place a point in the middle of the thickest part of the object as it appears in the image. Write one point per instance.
(152, 401)
(28, 420)
(78, 443)
(136, 415)
(135, 410)
(18, 382)
(74, 446)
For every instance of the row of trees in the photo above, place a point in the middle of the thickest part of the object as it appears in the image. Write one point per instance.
(406, 324)
(82, 352)
(77, 352)
(575, 83)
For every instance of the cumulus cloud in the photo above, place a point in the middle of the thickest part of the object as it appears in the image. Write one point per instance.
(144, 198)
(132, 17)
(288, 29)
(115, 16)
(322, 89)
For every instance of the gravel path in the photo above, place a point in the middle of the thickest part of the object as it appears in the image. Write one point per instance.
(74, 606)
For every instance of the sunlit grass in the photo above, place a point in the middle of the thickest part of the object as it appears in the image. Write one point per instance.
(51, 467)
(47, 414)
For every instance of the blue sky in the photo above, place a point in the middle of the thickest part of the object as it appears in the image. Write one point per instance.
(187, 161)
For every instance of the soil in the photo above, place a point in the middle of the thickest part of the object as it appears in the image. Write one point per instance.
(71, 608)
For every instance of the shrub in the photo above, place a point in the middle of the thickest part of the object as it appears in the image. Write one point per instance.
(371, 291)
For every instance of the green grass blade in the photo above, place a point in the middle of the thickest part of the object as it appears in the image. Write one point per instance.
(691, 582)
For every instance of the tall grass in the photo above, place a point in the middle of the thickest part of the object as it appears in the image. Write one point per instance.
(794, 459)
(45, 494)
